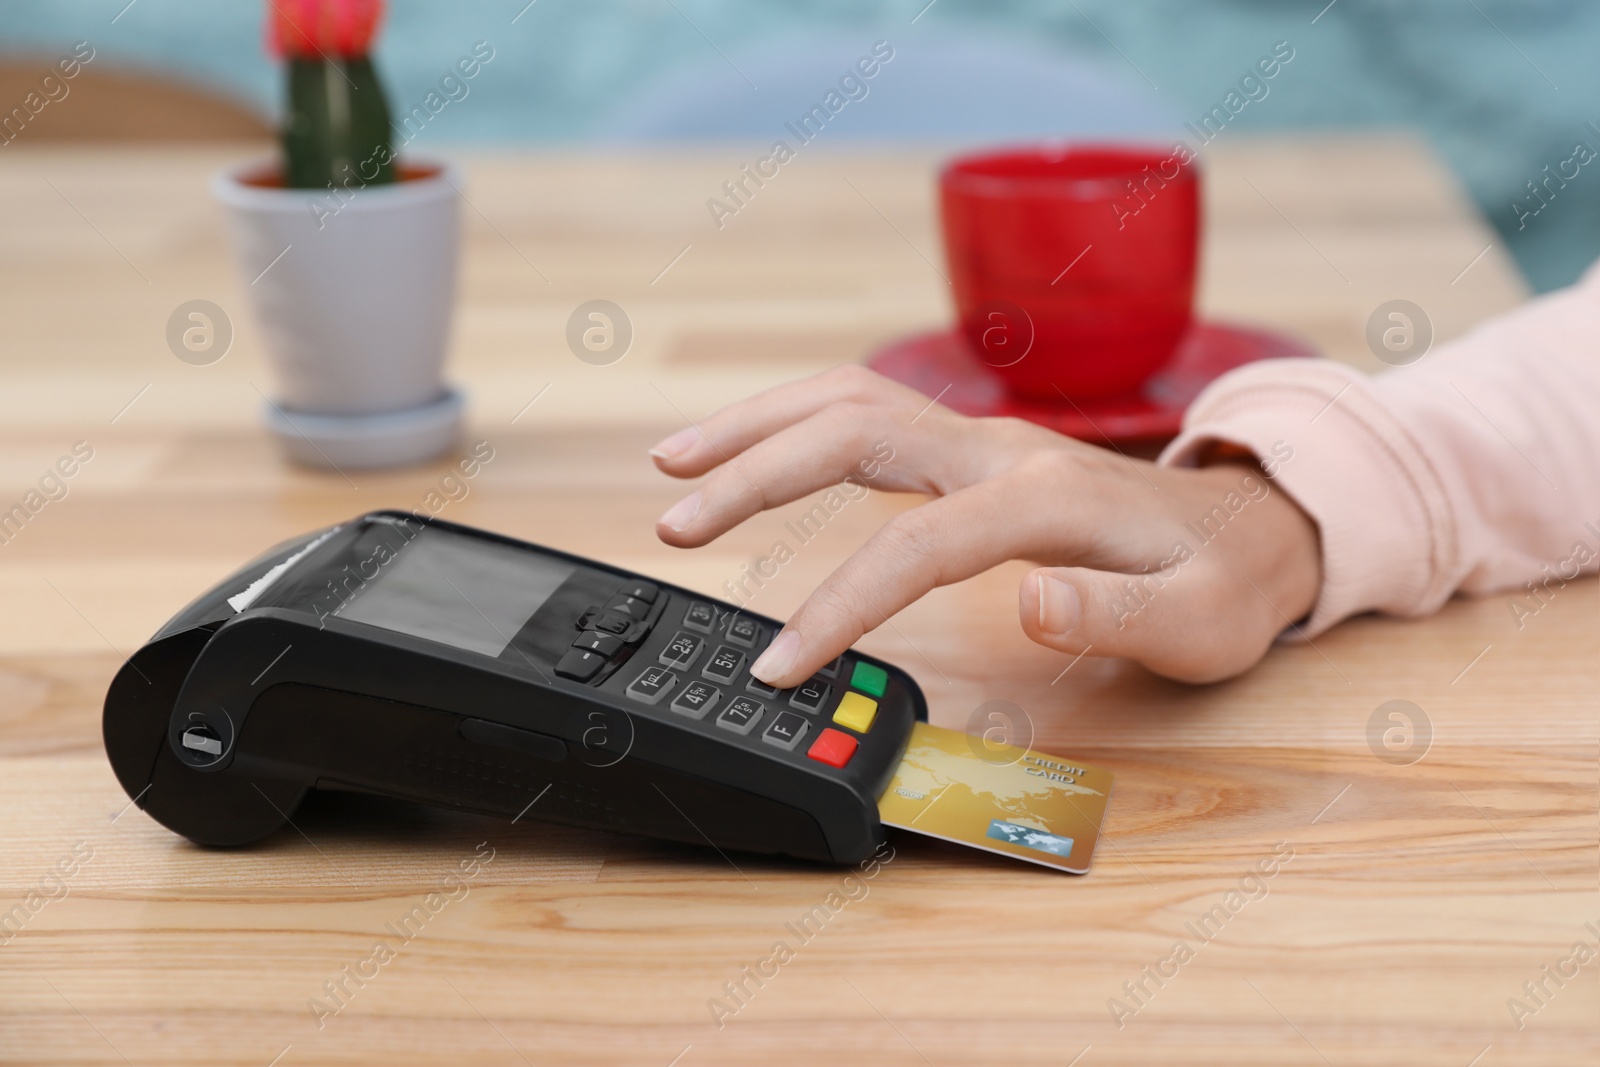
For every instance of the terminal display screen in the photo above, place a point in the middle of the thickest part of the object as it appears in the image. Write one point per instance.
(466, 592)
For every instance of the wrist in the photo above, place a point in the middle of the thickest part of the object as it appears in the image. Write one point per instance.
(1279, 549)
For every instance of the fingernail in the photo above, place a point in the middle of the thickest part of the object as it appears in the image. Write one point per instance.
(677, 444)
(1059, 605)
(681, 515)
(778, 659)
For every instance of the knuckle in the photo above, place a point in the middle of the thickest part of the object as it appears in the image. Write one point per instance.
(856, 380)
(1008, 426)
(833, 608)
(1018, 433)
(1049, 467)
(851, 420)
(911, 535)
(846, 413)
(852, 429)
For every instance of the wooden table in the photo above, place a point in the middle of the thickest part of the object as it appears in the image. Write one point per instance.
(1418, 900)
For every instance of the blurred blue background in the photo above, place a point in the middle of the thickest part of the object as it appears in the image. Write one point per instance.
(1501, 88)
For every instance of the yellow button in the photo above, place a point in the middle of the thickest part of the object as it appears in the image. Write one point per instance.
(856, 712)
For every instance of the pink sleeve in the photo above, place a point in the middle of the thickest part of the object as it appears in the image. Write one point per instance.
(1475, 469)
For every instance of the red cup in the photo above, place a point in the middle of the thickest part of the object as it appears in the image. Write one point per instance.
(1073, 266)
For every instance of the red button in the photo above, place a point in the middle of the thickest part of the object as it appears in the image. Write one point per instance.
(833, 747)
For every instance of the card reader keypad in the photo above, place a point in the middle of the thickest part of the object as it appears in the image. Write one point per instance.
(702, 673)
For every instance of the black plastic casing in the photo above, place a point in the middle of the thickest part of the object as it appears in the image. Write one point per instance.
(302, 699)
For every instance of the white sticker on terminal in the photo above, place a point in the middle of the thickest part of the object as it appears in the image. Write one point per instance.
(241, 600)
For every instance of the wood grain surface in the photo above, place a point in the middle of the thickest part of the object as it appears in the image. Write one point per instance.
(1417, 899)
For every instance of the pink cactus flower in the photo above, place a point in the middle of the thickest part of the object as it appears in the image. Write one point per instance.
(312, 29)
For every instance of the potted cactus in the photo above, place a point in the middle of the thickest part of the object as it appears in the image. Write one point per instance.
(349, 254)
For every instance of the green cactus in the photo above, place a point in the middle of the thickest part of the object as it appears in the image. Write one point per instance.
(337, 127)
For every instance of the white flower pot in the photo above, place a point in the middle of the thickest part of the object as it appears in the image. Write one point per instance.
(354, 294)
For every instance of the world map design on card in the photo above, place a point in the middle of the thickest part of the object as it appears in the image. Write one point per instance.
(1019, 802)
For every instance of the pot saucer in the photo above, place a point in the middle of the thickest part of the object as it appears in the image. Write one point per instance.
(363, 442)
(941, 364)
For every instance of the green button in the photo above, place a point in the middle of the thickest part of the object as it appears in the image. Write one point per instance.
(870, 679)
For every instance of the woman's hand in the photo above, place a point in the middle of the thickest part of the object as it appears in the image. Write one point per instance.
(1191, 572)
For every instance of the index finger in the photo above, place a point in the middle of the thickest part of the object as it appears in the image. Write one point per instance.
(724, 434)
(944, 541)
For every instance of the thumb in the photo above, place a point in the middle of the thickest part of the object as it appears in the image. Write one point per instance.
(1173, 625)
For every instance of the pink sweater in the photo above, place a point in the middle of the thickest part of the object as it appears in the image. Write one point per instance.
(1475, 469)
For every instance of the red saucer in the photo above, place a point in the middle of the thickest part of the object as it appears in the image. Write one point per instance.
(942, 362)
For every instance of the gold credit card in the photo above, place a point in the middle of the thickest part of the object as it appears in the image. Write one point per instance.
(1015, 801)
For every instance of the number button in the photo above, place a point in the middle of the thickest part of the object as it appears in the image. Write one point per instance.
(740, 716)
(810, 696)
(696, 699)
(724, 664)
(700, 616)
(760, 688)
(652, 685)
(743, 631)
(786, 731)
(680, 651)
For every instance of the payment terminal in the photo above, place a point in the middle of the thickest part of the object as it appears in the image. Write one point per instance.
(416, 658)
